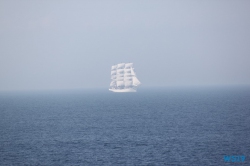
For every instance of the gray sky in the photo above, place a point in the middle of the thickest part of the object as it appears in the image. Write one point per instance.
(72, 44)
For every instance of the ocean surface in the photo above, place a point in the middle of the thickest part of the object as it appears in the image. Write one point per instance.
(188, 126)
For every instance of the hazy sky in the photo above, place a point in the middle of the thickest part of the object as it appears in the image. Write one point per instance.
(73, 43)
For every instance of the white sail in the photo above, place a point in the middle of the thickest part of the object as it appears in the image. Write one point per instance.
(136, 82)
(128, 75)
(120, 71)
(120, 65)
(128, 78)
(132, 72)
(120, 83)
(113, 77)
(123, 78)
(113, 67)
(128, 65)
(113, 83)
(119, 75)
(113, 72)
(128, 83)
(119, 78)
(127, 71)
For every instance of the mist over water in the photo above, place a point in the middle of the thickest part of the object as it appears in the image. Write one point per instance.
(151, 127)
(73, 44)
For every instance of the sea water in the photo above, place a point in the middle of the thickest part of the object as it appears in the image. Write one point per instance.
(197, 126)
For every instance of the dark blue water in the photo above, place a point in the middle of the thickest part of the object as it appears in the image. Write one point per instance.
(154, 127)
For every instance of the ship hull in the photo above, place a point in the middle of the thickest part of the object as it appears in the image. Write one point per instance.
(123, 90)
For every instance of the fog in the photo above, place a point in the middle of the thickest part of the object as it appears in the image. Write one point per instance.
(72, 44)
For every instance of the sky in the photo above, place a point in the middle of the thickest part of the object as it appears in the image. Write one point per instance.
(72, 44)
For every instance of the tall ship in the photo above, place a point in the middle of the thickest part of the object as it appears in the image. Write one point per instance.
(123, 78)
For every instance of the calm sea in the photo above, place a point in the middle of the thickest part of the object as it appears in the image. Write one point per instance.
(195, 126)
